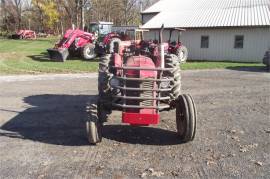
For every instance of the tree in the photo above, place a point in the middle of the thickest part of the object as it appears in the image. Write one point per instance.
(18, 7)
(48, 13)
(130, 11)
(61, 14)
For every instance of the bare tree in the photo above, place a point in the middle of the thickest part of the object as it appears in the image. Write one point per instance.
(130, 11)
(17, 14)
(18, 7)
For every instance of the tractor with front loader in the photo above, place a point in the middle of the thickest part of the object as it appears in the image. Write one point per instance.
(86, 44)
(141, 79)
(74, 42)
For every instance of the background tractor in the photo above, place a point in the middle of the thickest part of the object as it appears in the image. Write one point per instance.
(177, 47)
(98, 40)
(107, 35)
(24, 34)
(141, 79)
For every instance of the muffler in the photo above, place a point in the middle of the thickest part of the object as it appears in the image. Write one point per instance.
(59, 55)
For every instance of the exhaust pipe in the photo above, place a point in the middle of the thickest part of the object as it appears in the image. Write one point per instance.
(162, 50)
(162, 54)
(58, 55)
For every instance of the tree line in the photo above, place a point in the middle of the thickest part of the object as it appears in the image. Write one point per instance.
(54, 16)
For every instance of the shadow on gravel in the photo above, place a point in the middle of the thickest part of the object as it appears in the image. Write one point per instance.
(250, 69)
(52, 119)
(140, 135)
(60, 120)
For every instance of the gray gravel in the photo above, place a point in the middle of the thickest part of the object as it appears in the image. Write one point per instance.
(42, 130)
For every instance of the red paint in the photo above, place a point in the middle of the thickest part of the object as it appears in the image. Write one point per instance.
(174, 47)
(141, 61)
(81, 37)
(27, 34)
(140, 119)
(118, 63)
(109, 36)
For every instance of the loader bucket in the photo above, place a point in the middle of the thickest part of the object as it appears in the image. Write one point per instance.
(59, 55)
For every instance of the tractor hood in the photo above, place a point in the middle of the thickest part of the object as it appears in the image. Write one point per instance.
(141, 61)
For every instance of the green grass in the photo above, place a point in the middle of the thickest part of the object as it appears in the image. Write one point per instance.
(30, 57)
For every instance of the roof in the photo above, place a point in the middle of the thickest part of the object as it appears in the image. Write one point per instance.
(209, 13)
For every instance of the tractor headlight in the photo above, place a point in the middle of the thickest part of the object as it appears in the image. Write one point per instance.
(114, 82)
(165, 84)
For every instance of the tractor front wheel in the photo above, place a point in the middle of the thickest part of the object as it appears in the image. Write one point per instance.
(88, 52)
(93, 125)
(186, 115)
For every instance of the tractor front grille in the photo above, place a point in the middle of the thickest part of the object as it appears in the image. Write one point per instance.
(147, 94)
(141, 93)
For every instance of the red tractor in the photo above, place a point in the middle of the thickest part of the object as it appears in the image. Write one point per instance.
(87, 44)
(74, 42)
(24, 34)
(141, 79)
(107, 35)
(178, 48)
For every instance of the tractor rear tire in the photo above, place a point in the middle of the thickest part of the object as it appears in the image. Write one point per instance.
(88, 52)
(114, 45)
(186, 116)
(182, 54)
(94, 125)
(103, 75)
(171, 61)
(104, 87)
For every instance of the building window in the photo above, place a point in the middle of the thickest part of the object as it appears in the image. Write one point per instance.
(239, 41)
(205, 42)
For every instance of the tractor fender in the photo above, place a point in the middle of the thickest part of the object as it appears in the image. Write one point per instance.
(110, 36)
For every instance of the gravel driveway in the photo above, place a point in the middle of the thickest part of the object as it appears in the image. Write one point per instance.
(42, 130)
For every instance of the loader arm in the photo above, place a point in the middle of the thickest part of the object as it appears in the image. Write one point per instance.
(69, 40)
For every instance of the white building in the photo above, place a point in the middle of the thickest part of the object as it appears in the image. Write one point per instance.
(235, 30)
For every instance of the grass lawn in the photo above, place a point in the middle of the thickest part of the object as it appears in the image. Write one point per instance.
(30, 57)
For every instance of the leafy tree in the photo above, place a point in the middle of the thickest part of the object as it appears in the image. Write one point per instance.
(47, 11)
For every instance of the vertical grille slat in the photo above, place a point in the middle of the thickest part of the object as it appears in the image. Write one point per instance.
(147, 94)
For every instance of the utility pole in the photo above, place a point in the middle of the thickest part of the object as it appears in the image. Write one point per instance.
(82, 14)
